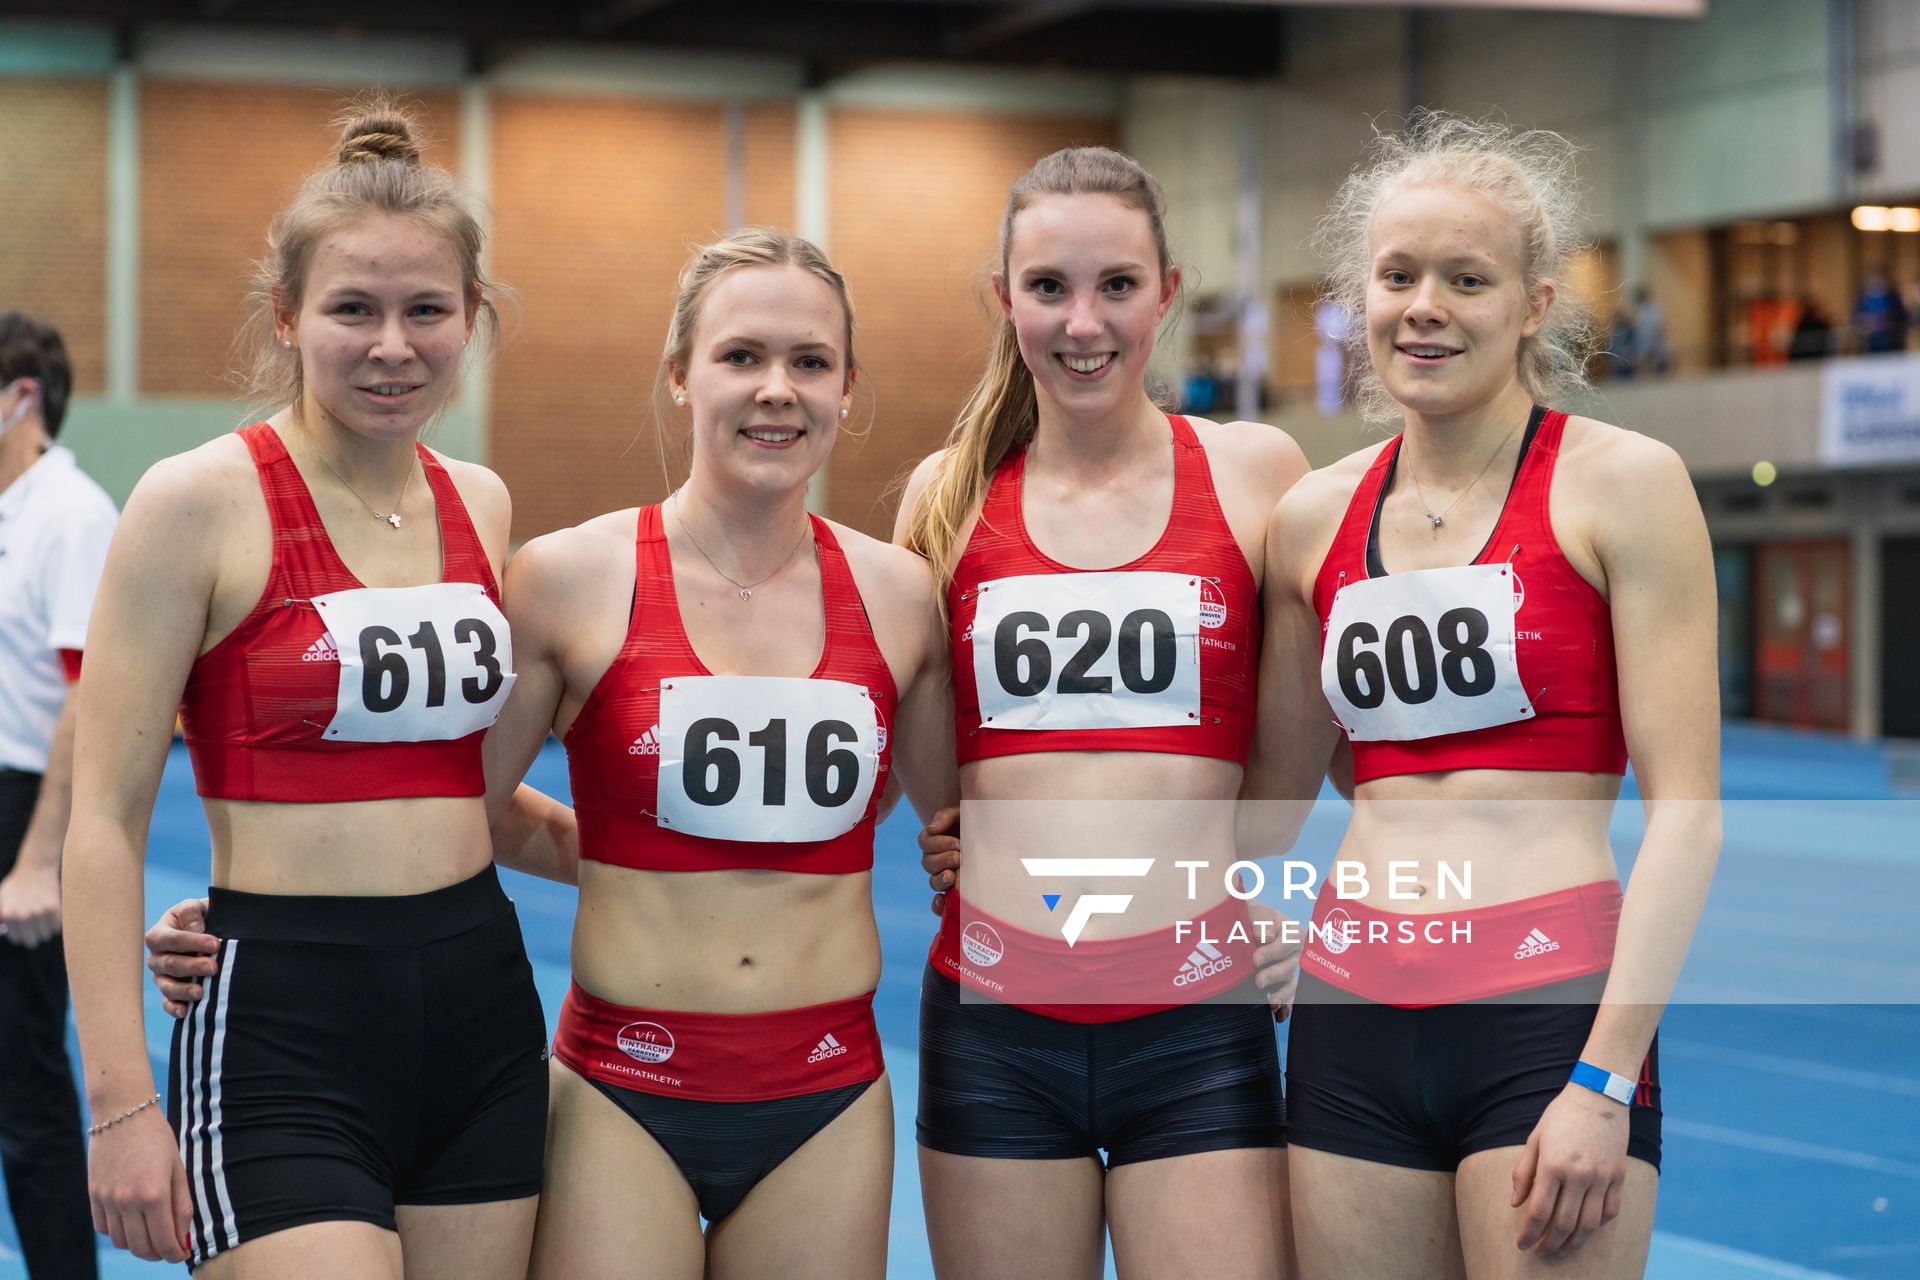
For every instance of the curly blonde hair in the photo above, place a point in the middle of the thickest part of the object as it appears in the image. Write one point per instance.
(1533, 174)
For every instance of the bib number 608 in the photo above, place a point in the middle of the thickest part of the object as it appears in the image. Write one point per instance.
(1406, 662)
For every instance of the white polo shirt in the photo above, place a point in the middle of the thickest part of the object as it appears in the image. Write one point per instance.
(55, 524)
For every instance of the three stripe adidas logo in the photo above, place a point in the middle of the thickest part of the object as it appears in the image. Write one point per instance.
(827, 1048)
(647, 744)
(1536, 944)
(1205, 961)
(322, 650)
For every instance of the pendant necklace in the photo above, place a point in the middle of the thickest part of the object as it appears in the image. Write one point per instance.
(1437, 520)
(746, 588)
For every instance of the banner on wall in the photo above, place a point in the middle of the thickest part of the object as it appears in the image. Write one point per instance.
(1870, 411)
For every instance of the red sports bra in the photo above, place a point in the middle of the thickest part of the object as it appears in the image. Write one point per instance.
(1156, 655)
(677, 769)
(1506, 663)
(262, 709)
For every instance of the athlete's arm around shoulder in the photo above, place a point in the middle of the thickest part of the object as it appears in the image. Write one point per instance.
(557, 600)
(190, 530)
(917, 484)
(902, 604)
(1253, 465)
(488, 505)
(1294, 734)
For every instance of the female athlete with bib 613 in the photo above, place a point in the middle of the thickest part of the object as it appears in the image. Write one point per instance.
(1505, 602)
(315, 594)
(1100, 560)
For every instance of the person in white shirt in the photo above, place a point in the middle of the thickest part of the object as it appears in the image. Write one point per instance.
(54, 527)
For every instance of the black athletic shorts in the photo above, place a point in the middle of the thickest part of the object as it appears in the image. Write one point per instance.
(353, 1054)
(1002, 1082)
(1426, 1088)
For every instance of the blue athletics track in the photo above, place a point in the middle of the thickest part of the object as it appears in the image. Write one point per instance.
(1792, 1132)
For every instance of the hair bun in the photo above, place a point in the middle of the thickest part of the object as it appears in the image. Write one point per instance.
(384, 133)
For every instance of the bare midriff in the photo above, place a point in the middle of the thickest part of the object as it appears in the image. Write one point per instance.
(1087, 804)
(373, 848)
(1516, 834)
(724, 941)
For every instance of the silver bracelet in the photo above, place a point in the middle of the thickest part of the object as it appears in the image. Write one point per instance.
(97, 1129)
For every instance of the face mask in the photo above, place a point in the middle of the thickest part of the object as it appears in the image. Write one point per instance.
(20, 410)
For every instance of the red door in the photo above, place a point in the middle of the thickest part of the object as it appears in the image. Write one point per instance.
(1801, 675)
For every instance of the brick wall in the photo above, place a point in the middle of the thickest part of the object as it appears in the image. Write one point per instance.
(217, 162)
(53, 152)
(917, 198)
(598, 203)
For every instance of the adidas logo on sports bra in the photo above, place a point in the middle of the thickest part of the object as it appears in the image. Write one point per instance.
(827, 1048)
(322, 650)
(1536, 944)
(647, 744)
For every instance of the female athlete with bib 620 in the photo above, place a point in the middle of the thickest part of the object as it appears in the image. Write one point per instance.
(315, 594)
(1505, 602)
(1100, 560)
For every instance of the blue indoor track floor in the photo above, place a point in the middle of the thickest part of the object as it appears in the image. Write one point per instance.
(1792, 1143)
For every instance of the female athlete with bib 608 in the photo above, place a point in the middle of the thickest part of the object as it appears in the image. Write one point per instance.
(1505, 603)
(732, 678)
(1100, 560)
(315, 594)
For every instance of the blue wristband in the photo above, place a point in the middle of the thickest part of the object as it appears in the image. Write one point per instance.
(1601, 1081)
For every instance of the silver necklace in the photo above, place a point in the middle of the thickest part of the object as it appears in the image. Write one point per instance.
(1436, 520)
(746, 588)
(391, 517)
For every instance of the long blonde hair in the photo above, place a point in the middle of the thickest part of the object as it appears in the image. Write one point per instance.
(1002, 411)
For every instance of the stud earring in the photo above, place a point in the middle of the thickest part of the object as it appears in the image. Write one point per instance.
(287, 343)
(679, 399)
(843, 415)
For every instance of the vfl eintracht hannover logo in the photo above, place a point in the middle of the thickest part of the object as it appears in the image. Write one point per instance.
(1092, 904)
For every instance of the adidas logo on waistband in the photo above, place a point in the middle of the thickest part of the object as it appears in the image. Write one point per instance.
(1537, 944)
(322, 650)
(1205, 961)
(647, 744)
(827, 1048)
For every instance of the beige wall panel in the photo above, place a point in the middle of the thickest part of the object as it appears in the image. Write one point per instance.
(916, 203)
(217, 163)
(53, 149)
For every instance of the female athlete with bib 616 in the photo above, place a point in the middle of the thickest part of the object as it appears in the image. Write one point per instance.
(1100, 560)
(733, 679)
(315, 594)
(1506, 602)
